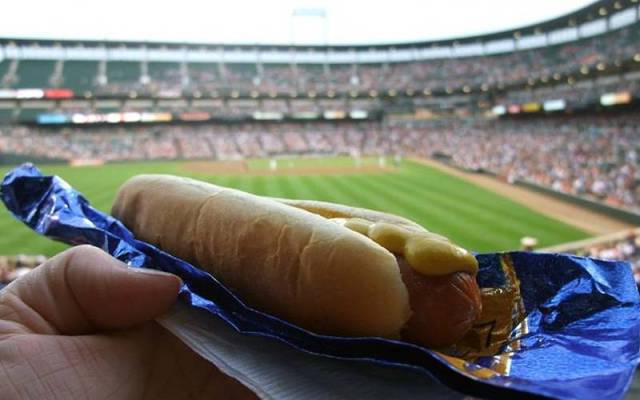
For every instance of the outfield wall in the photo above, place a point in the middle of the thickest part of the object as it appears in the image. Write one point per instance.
(17, 159)
(602, 208)
(611, 211)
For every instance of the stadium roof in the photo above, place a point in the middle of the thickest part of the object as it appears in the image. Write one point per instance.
(584, 14)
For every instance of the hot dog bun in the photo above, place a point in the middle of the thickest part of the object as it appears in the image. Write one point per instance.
(333, 210)
(444, 308)
(280, 259)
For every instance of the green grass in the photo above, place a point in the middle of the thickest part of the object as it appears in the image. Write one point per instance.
(313, 162)
(470, 215)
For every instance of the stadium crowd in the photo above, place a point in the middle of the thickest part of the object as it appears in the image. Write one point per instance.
(586, 55)
(13, 267)
(596, 157)
(585, 92)
(433, 75)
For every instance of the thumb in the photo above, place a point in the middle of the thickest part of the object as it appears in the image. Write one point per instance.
(83, 290)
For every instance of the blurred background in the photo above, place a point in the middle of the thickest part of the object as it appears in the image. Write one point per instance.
(500, 128)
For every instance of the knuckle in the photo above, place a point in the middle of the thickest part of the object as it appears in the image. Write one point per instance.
(82, 252)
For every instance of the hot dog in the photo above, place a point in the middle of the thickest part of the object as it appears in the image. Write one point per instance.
(328, 268)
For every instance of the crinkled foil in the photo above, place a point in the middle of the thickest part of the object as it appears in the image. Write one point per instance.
(553, 325)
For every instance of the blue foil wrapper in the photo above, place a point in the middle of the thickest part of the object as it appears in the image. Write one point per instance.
(554, 325)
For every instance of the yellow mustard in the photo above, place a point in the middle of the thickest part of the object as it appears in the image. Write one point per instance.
(426, 252)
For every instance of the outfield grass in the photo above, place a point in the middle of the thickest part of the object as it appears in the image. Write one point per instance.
(314, 162)
(472, 216)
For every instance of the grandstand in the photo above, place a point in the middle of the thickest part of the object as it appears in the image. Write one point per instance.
(549, 108)
(481, 102)
(577, 57)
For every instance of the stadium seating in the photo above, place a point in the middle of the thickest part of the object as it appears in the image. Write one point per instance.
(4, 67)
(34, 74)
(584, 156)
(80, 76)
(587, 56)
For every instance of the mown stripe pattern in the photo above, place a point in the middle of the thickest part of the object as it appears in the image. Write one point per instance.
(472, 216)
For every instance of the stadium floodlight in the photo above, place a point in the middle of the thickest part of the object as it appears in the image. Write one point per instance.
(304, 20)
(309, 12)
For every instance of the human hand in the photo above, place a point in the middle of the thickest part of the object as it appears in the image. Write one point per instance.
(81, 326)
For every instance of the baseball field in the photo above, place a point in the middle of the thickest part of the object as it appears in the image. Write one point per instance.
(471, 215)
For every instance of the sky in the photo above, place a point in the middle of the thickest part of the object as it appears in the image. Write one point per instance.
(272, 22)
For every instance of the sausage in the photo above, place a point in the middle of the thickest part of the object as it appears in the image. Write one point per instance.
(383, 276)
